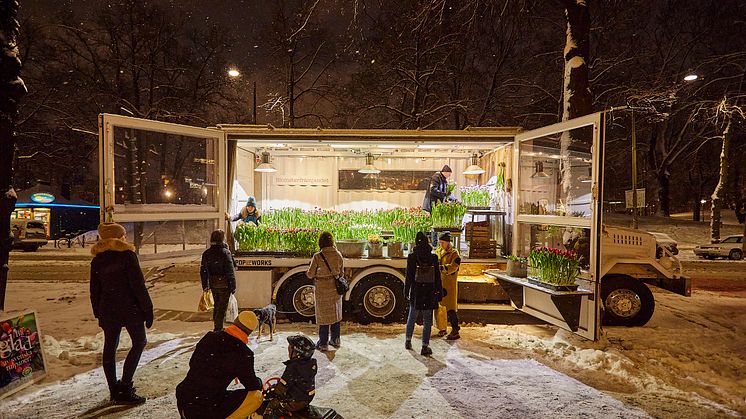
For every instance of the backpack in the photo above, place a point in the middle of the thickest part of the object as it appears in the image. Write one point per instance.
(424, 274)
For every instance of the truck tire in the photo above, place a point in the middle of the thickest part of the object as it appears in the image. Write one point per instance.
(296, 298)
(735, 254)
(626, 300)
(378, 298)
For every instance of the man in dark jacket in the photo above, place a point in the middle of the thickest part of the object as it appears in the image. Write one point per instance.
(218, 274)
(218, 358)
(297, 386)
(437, 191)
(119, 299)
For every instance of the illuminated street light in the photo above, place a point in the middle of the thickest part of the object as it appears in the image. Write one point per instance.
(233, 72)
(691, 77)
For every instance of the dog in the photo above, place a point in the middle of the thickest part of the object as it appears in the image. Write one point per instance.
(266, 315)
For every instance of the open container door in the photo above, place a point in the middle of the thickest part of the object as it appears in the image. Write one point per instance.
(557, 172)
(166, 183)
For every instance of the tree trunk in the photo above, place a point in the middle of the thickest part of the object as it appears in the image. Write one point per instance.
(577, 97)
(664, 192)
(717, 196)
(12, 89)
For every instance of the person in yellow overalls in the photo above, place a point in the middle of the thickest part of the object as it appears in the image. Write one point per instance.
(450, 262)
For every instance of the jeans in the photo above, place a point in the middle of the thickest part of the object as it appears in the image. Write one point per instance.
(427, 324)
(221, 296)
(111, 342)
(324, 333)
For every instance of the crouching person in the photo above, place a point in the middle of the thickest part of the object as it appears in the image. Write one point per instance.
(218, 358)
(297, 386)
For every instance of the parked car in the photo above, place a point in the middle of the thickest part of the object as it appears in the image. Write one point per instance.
(663, 240)
(730, 247)
(28, 235)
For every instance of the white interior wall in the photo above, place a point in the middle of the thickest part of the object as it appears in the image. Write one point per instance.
(321, 175)
(243, 185)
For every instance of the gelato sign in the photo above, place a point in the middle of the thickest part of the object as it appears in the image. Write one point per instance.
(42, 198)
(21, 357)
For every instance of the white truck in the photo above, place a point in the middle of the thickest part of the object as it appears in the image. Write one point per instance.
(193, 176)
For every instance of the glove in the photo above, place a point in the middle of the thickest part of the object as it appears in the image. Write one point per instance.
(442, 268)
(149, 320)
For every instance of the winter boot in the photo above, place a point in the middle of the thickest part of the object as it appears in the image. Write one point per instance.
(335, 343)
(426, 351)
(115, 390)
(441, 333)
(408, 344)
(453, 335)
(127, 395)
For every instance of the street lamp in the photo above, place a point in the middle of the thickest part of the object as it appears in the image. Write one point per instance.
(233, 72)
(691, 77)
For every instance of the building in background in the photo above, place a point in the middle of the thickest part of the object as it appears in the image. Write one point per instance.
(59, 212)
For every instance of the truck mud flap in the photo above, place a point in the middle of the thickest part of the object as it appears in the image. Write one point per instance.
(681, 286)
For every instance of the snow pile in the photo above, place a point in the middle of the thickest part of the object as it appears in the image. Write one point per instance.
(598, 357)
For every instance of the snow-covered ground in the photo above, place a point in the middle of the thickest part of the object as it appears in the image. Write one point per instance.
(689, 361)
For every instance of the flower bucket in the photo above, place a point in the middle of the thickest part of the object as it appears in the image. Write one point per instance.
(351, 248)
(395, 250)
(517, 269)
(375, 250)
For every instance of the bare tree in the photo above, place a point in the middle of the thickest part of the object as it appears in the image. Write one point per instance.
(12, 89)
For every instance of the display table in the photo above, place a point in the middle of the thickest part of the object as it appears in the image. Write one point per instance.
(566, 302)
(494, 219)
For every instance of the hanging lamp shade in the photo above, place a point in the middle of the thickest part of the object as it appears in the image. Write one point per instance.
(265, 166)
(539, 172)
(474, 168)
(369, 167)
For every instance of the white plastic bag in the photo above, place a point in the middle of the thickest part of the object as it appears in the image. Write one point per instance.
(232, 311)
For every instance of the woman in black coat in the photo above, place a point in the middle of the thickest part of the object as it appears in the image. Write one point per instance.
(423, 288)
(119, 299)
(218, 273)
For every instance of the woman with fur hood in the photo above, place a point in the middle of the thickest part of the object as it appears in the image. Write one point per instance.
(119, 299)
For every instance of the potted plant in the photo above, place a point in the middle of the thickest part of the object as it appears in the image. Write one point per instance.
(375, 247)
(476, 197)
(554, 268)
(395, 248)
(517, 266)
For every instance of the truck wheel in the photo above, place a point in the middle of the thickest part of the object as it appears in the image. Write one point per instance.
(735, 254)
(378, 298)
(627, 301)
(296, 298)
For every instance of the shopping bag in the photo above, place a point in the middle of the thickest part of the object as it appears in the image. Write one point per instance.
(206, 303)
(441, 317)
(232, 311)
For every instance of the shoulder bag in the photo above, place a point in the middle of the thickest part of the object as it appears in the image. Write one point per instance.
(339, 280)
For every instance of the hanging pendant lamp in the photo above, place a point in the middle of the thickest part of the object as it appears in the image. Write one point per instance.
(265, 166)
(539, 172)
(474, 168)
(369, 167)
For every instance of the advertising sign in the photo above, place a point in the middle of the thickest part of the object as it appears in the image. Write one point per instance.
(21, 356)
(43, 198)
(640, 198)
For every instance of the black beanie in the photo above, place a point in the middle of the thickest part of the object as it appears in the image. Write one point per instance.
(446, 169)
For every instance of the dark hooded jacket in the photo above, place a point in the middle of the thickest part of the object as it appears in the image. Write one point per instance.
(437, 191)
(218, 269)
(423, 296)
(298, 383)
(218, 358)
(118, 293)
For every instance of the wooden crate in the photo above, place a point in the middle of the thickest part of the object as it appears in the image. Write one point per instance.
(482, 249)
(479, 230)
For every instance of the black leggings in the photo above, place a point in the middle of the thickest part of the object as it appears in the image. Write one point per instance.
(111, 342)
(221, 297)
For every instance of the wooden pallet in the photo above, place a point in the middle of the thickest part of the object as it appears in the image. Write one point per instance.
(482, 249)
